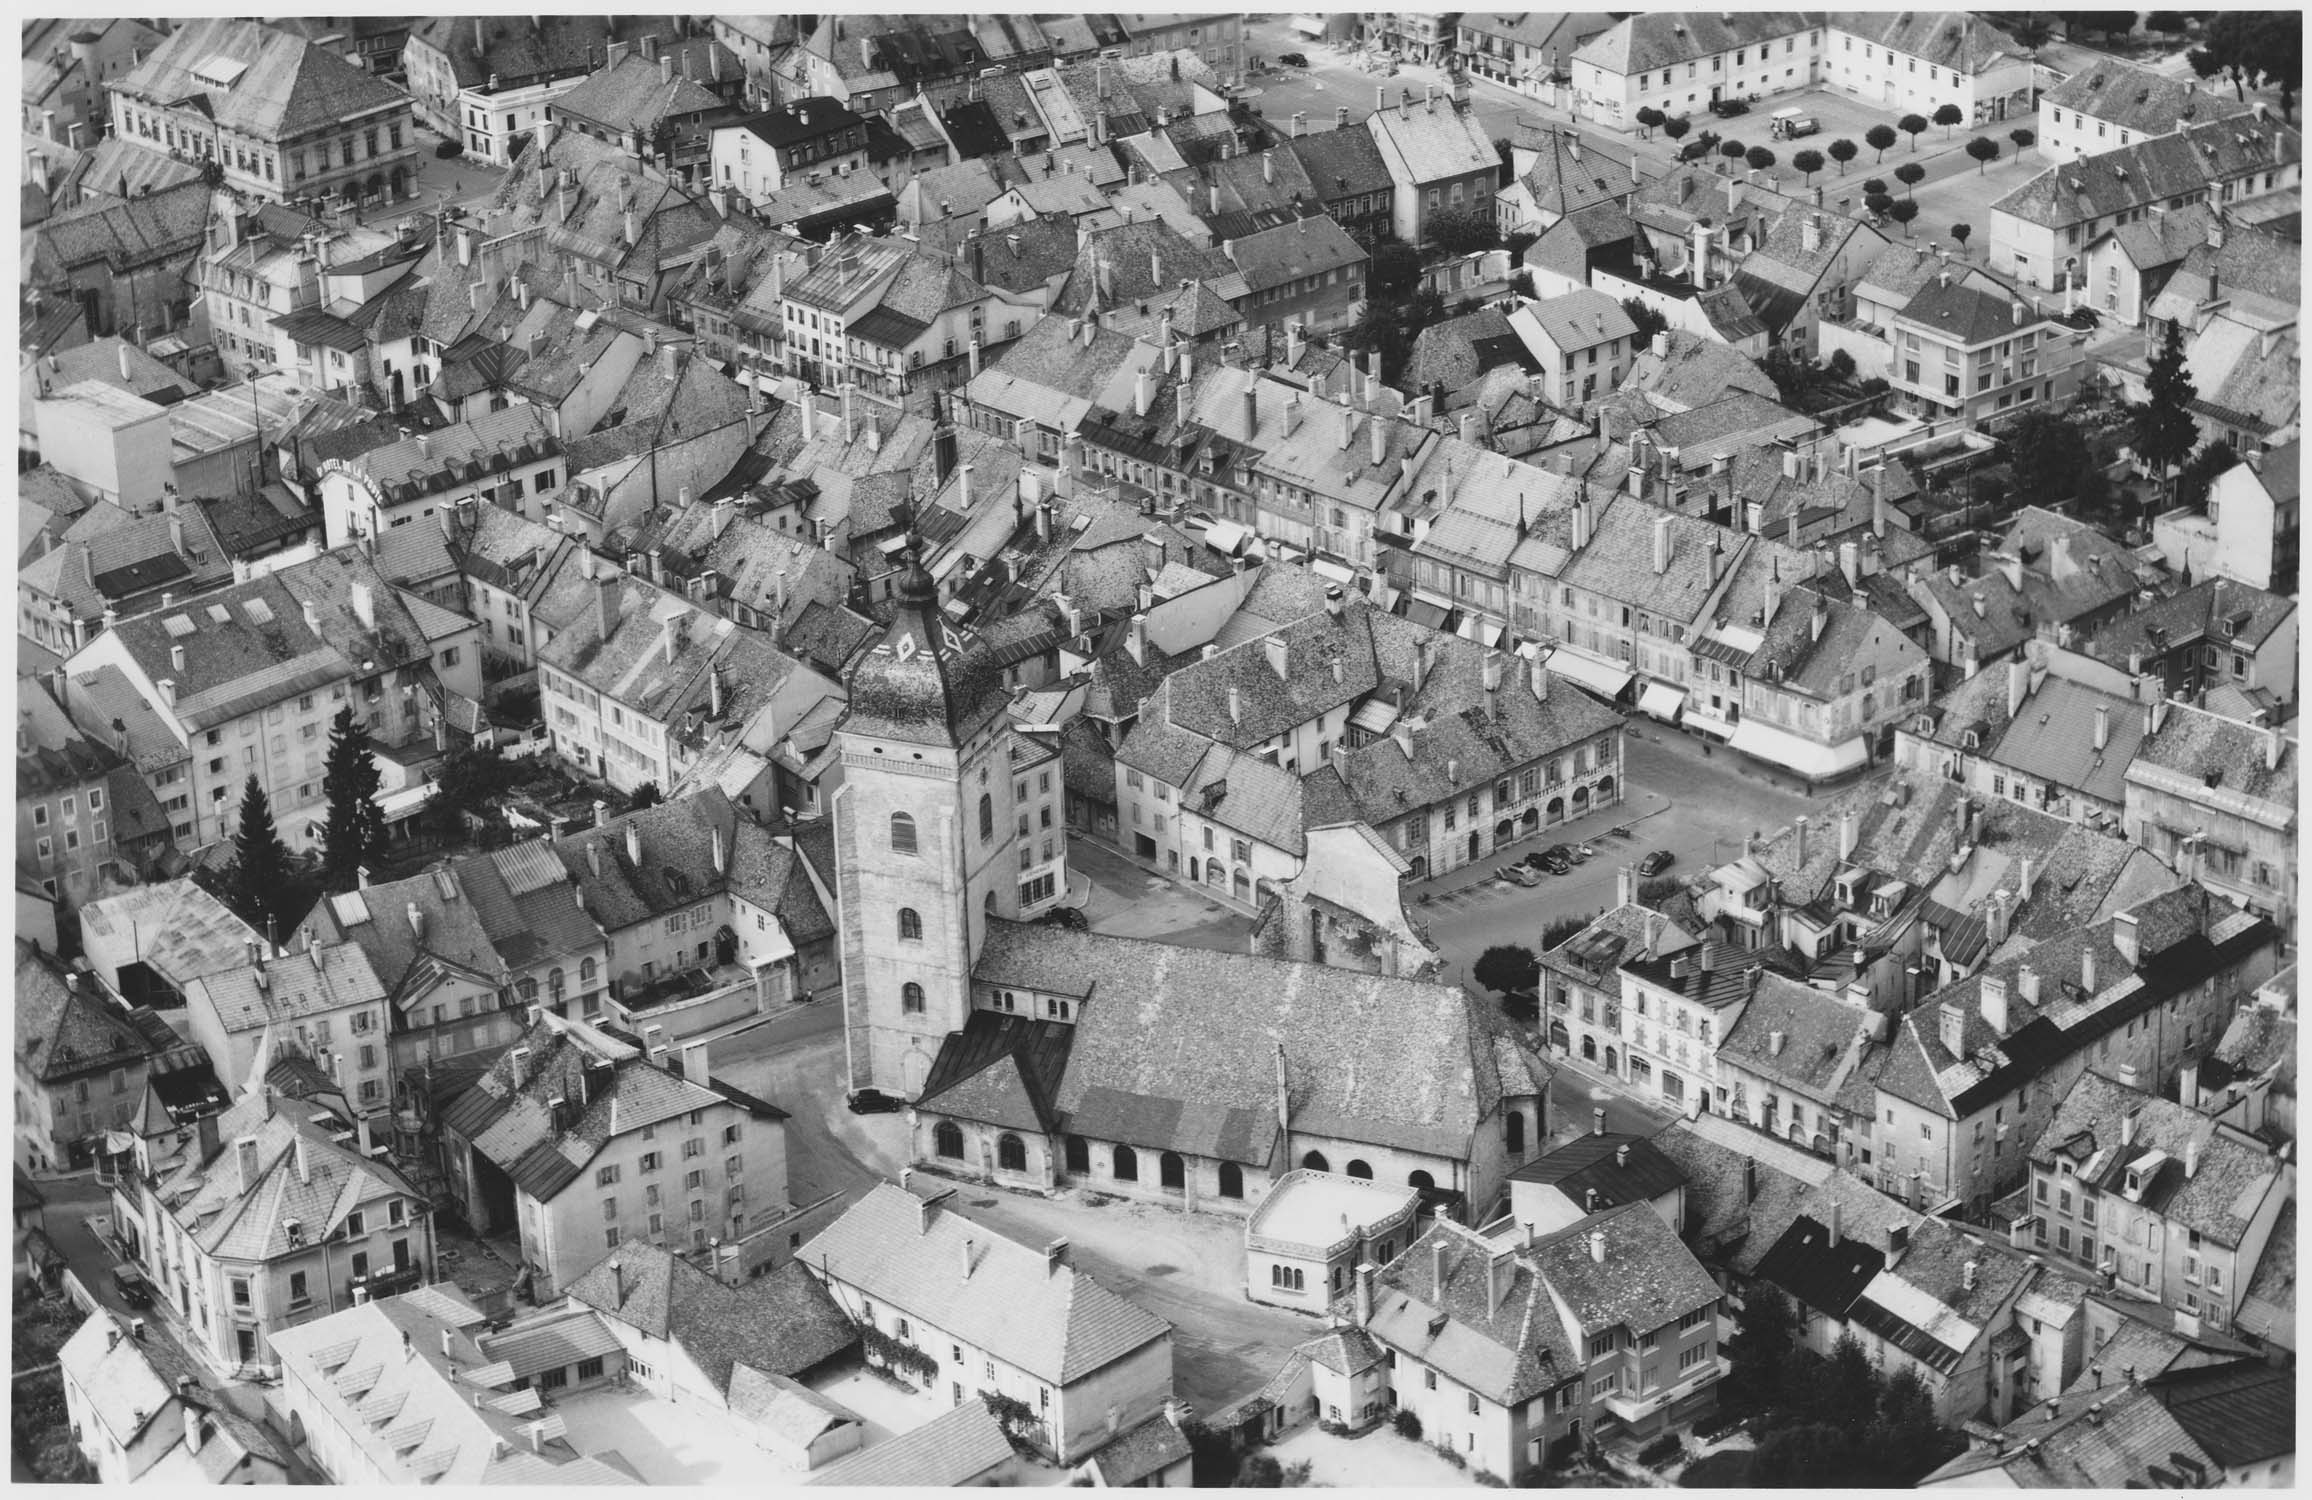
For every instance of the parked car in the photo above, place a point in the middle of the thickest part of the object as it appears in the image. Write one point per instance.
(134, 1289)
(875, 1102)
(1656, 862)
(1700, 146)
(1292, 59)
(1521, 874)
(1070, 917)
(1557, 859)
(1727, 109)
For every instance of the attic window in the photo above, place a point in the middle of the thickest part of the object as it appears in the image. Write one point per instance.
(219, 615)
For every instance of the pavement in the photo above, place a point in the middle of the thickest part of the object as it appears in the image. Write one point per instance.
(1332, 79)
(1709, 798)
(1129, 900)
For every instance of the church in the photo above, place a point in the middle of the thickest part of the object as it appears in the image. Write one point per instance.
(1039, 1057)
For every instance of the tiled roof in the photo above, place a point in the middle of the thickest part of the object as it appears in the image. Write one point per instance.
(1210, 1088)
(782, 1323)
(1657, 39)
(284, 87)
(1306, 247)
(1432, 140)
(302, 1178)
(2110, 1442)
(1620, 1168)
(2137, 99)
(1579, 319)
(636, 95)
(1796, 1036)
(1509, 1350)
(2054, 739)
(63, 1032)
(2218, 1195)
(1342, 163)
(953, 1448)
(1954, 39)
(520, 50)
(2153, 171)
(1054, 1321)
(2243, 1413)
(2205, 757)
(320, 982)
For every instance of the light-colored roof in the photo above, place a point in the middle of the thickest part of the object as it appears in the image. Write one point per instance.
(1309, 1207)
(951, 1449)
(1055, 1322)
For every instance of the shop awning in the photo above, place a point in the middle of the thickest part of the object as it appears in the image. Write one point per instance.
(1479, 629)
(1662, 701)
(1324, 568)
(1374, 715)
(1600, 678)
(1806, 757)
(1698, 717)
(1422, 612)
(1225, 537)
(1309, 26)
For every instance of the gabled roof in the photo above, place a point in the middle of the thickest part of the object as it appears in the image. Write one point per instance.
(2179, 165)
(953, 1448)
(1657, 39)
(64, 1031)
(2136, 99)
(257, 81)
(782, 1323)
(1620, 1168)
(301, 1178)
(1052, 1320)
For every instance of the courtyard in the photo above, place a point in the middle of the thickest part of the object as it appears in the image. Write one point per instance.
(1379, 1459)
(666, 1443)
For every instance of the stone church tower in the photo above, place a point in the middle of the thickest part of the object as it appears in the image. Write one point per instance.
(925, 843)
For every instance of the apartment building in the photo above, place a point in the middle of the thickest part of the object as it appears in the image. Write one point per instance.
(2214, 797)
(1086, 1366)
(2108, 104)
(575, 1141)
(86, 822)
(799, 141)
(2040, 230)
(248, 680)
(1439, 159)
(484, 81)
(1679, 62)
(2254, 529)
(280, 117)
(2157, 1198)
(1927, 59)
(511, 459)
(322, 1002)
(283, 1215)
(80, 1066)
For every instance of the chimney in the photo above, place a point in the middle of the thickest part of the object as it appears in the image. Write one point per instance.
(1994, 992)
(1846, 835)
(2018, 685)
(1661, 544)
(1774, 1041)
(634, 843)
(1953, 1032)
(1283, 1092)
(1597, 1246)
(1967, 1276)
(2124, 934)
(1437, 1266)
(2102, 726)
(1055, 1256)
(245, 1159)
(1365, 1294)
(1378, 441)
(417, 921)
(1836, 1227)
(1800, 827)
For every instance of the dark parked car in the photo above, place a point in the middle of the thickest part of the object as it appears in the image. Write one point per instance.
(134, 1289)
(1727, 109)
(1656, 862)
(1292, 59)
(1557, 859)
(875, 1102)
(1070, 917)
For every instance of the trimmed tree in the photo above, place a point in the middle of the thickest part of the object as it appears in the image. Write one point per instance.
(1902, 213)
(2024, 140)
(1872, 185)
(1808, 163)
(1676, 129)
(351, 781)
(1507, 967)
(1843, 151)
(1759, 158)
(645, 795)
(1464, 231)
(1650, 117)
(1985, 151)
(1960, 232)
(1913, 126)
(1880, 138)
(262, 885)
(2161, 429)
(1948, 116)
(2032, 29)
(1910, 174)
(1732, 150)
(1878, 203)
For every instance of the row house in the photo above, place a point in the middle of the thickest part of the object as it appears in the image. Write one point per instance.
(660, 104)
(279, 117)
(248, 680)
(511, 459)
(140, 1417)
(1440, 160)
(2156, 1199)
(318, 1002)
(803, 138)
(282, 1215)
(577, 1140)
(1308, 271)
(1972, 1076)
(69, 67)
(1677, 1008)
(2052, 579)
(1825, 686)
(2253, 532)
(1504, 1344)
(2039, 230)
(1927, 59)
(2215, 798)
(80, 1066)
(126, 266)
(1529, 51)
(523, 580)
(1958, 350)
(2218, 643)
(635, 689)
(1581, 977)
(1350, 178)
(86, 821)
(1682, 62)
(486, 81)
